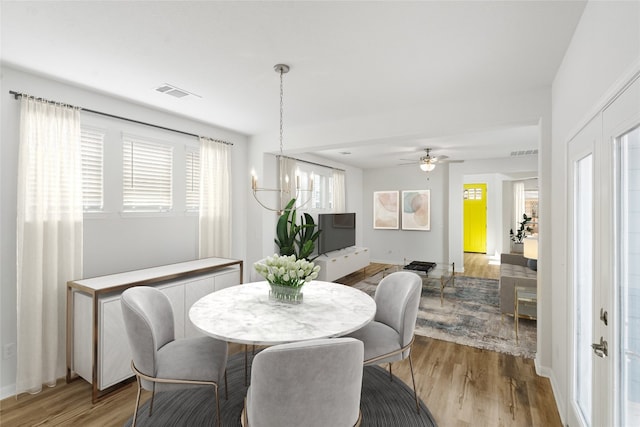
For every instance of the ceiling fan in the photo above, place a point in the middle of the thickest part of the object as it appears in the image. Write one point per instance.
(427, 162)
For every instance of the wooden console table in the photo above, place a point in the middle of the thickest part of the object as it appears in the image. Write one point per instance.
(96, 339)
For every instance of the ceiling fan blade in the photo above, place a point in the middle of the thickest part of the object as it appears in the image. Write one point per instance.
(426, 158)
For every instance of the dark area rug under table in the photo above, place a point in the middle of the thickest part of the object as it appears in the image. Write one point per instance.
(384, 403)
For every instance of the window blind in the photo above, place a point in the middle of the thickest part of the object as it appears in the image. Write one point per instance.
(192, 179)
(92, 142)
(147, 175)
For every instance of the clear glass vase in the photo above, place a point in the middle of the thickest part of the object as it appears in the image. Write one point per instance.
(287, 294)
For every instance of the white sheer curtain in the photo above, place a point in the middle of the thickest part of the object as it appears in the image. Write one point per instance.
(215, 199)
(518, 204)
(49, 236)
(339, 192)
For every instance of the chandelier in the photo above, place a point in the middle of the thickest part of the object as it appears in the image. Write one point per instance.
(284, 191)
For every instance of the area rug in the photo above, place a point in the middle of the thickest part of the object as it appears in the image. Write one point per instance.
(469, 315)
(384, 403)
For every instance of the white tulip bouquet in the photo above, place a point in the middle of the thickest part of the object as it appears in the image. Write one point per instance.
(287, 270)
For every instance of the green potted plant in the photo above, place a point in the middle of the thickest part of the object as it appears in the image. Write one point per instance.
(518, 237)
(293, 238)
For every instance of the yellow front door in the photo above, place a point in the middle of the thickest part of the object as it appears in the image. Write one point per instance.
(475, 218)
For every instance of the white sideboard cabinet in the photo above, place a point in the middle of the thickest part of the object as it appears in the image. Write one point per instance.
(336, 264)
(97, 343)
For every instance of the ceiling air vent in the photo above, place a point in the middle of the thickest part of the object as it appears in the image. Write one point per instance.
(524, 152)
(174, 91)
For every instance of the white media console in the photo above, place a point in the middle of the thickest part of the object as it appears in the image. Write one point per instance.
(337, 264)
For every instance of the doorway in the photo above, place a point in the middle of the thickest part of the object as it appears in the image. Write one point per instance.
(604, 275)
(475, 218)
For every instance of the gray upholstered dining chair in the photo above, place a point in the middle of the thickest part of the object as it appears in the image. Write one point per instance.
(313, 383)
(160, 362)
(389, 337)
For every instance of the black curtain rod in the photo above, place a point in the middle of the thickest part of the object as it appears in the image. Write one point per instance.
(113, 116)
(311, 163)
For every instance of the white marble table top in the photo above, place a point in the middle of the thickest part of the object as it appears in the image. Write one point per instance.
(244, 314)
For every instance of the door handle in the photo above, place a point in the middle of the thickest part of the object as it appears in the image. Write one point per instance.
(604, 316)
(602, 349)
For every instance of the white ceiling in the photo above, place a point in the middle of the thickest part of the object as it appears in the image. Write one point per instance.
(348, 60)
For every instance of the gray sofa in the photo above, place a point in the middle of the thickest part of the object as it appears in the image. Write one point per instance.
(514, 272)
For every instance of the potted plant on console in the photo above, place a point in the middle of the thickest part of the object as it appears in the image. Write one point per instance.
(288, 271)
(517, 238)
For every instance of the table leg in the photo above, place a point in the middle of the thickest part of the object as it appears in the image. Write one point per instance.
(246, 364)
(515, 313)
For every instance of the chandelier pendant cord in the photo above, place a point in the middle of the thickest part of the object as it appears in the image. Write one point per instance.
(281, 69)
(281, 109)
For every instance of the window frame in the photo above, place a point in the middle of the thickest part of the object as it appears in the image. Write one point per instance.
(167, 151)
(322, 188)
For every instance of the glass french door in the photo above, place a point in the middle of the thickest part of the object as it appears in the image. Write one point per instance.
(604, 266)
(628, 279)
(621, 139)
(581, 272)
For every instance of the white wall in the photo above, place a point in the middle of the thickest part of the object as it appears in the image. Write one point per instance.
(112, 243)
(604, 52)
(396, 246)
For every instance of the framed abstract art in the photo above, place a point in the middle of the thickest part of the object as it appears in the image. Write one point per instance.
(385, 210)
(416, 210)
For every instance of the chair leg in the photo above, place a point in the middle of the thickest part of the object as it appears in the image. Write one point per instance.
(226, 386)
(359, 420)
(153, 394)
(135, 411)
(390, 374)
(413, 379)
(244, 422)
(217, 407)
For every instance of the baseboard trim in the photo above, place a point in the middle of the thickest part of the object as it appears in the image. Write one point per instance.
(545, 371)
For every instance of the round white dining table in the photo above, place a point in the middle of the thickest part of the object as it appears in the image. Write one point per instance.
(244, 314)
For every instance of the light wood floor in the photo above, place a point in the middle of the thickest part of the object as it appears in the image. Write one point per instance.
(462, 386)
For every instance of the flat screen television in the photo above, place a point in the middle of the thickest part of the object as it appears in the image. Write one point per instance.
(338, 231)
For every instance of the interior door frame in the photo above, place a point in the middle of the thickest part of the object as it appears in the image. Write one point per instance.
(583, 144)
